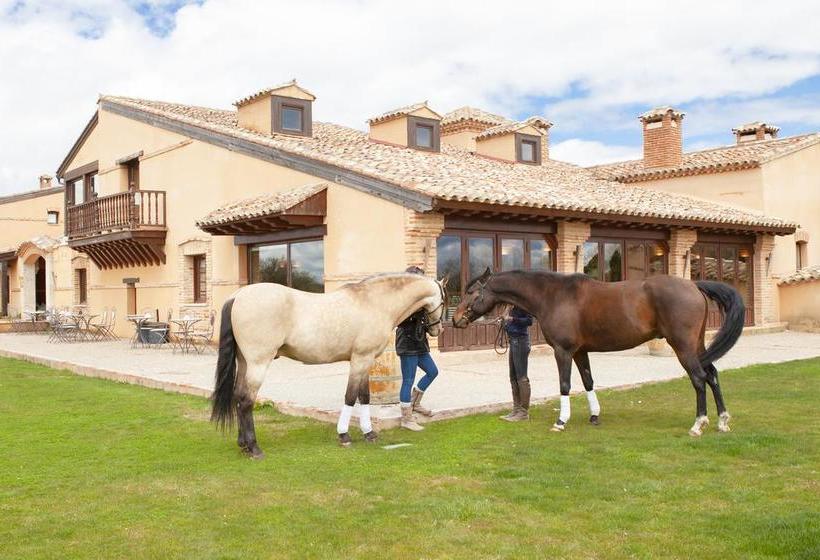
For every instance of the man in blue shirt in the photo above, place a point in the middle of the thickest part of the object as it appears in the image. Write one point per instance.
(517, 325)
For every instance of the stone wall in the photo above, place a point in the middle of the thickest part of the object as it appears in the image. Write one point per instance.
(765, 304)
(420, 234)
(681, 242)
(570, 236)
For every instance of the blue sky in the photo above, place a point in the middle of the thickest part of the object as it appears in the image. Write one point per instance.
(590, 67)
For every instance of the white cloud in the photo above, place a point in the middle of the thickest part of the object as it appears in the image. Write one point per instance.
(590, 152)
(365, 57)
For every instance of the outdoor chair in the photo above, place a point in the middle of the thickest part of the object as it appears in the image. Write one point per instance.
(63, 328)
(202, 338)
(102, 330)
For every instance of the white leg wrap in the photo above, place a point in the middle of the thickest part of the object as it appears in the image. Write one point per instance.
(364, 418)
(565, 412)
(344, 420)
(594, 405)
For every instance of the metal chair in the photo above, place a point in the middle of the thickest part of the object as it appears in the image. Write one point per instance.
(205, 336)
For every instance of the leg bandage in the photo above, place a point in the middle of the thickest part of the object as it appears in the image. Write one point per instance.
(594, 406)
(344, 419)
(563, 416)
(364, 418)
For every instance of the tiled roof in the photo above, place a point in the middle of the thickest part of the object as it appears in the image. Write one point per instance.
(472, 114)
(268, 91)
(808, 274)
(392, 114)
(727, 158)
(537, 122)
(260, 206)
(658, 112)
(753, 126)
(455, 174)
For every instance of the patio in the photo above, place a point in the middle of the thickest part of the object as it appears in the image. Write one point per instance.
(469, 382)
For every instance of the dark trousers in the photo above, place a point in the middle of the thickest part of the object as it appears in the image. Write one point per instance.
(519, 357)
(519, 382)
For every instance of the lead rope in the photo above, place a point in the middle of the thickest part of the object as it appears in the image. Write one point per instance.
(502, 341)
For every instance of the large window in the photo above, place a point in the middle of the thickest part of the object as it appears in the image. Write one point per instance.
(82, 189)
(465, 255)
(724, 262)
(612, 260)
(298, 264)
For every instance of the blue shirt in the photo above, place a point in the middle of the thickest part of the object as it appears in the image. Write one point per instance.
(518, 322)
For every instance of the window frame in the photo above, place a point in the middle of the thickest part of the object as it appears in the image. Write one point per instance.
(278, 103)
(414, 122)
(624, 241)
(520, 139)
(56, 214)
(200, 288)
(288, 266)
(87, 174)
(82, 286)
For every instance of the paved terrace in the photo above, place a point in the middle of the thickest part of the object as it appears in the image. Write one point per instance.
(469, 382)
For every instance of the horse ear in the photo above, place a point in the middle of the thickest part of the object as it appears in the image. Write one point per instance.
(445, 280)
(486, 276)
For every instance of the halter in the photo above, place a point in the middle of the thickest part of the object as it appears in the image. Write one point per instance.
(468, 312)
(439, 306)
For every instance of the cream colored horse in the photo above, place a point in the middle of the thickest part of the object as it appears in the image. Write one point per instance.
(261, 322)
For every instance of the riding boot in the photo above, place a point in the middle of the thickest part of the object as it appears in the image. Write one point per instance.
(516, 400)
(415, 399)
(407, 421)
(523, 411)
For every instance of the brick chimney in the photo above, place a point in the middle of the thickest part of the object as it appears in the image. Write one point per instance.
(662, 138)
(45, 181)
(757, 130)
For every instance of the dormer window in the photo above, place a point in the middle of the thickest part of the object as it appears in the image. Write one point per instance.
(528, 149)
(291, 116)
(423, 134)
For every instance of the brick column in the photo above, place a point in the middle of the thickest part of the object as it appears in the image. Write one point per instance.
(421, 230)
(765, 291)
(680, 243)
(570, 235)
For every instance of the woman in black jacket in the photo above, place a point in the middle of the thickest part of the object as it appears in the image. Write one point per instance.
(413, 350)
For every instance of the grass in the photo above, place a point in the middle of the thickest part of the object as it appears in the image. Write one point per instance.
(95, 469)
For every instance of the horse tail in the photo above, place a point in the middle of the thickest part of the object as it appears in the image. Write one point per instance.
(734, 317)
(223, 411)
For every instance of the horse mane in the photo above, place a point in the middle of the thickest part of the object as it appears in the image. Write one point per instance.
(397, 277)
(545, 274)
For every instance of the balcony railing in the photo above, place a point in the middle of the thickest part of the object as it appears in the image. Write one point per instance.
(116, 212)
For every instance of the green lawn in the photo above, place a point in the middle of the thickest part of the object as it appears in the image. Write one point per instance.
(95, 469)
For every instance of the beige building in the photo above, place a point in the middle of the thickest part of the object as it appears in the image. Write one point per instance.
(175, 207)
(759, 171)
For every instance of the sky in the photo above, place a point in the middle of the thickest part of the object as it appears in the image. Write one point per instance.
(589, 67)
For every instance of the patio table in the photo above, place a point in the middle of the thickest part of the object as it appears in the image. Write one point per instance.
(186, 342)
(138, 320)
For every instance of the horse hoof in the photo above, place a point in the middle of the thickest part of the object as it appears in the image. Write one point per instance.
(695, 433)
(257, 455)
(723, 423)
(594, 420)
(558, 426)
(371, 437)
(345, 440)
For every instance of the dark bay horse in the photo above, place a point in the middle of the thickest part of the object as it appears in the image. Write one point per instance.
(579, 315)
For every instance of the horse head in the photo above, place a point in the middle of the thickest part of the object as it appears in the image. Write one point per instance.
(435, 308)
(478, 300)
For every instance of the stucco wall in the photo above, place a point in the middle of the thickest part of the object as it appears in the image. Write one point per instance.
(800, 304)
(792, 191)
(22, 219)
(738, 188)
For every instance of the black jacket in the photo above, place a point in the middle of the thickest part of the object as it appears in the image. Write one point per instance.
(411, 335)
(518, 322)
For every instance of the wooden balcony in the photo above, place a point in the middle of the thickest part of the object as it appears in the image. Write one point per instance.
(120, 230)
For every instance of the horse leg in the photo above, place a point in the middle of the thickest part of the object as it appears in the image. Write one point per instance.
(358, 373)
(691, 363)
(249, 379)
(365, 423)
(582, 361)
(563, 359)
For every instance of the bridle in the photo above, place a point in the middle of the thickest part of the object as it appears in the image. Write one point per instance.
(468, 311)
(440, 306)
